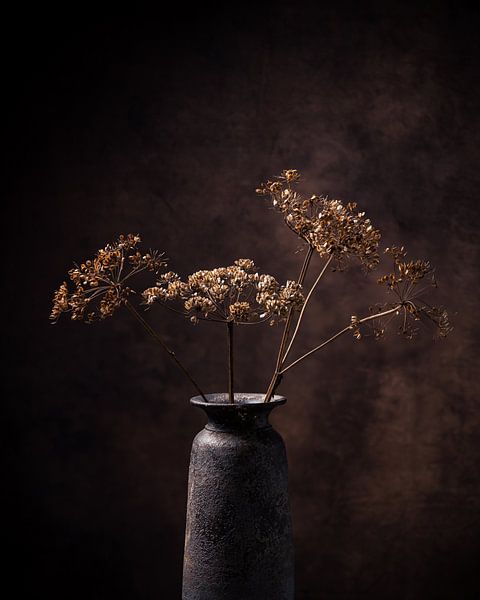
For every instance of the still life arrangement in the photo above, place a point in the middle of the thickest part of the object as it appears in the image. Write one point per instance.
(238, 541)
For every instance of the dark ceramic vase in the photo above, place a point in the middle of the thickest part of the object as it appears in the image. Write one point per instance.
(238, 540)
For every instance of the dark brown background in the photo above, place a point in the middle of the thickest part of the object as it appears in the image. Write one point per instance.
(164, 126)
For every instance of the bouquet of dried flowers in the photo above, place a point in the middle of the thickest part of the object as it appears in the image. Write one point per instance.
(240, 295)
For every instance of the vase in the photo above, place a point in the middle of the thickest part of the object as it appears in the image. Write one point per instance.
(238, 539)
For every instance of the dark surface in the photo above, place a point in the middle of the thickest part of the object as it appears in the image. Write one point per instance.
(165, 125)
(238, 539)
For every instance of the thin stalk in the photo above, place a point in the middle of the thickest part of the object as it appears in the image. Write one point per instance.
(337, 335)
(231, 396)
(307, 299)
(185, 314)
(120, 269)
(286, 330)
(157, 338)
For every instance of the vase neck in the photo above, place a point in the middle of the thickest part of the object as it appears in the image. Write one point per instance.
(248, 413)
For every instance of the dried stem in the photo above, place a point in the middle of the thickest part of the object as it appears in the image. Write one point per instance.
(309, 295)
(231, 396)
(340, 333)
(286, 330)
(157, 338)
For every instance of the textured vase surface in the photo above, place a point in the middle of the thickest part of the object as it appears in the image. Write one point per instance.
(238, 539)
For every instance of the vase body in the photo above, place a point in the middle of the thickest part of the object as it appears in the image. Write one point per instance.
(238, 540)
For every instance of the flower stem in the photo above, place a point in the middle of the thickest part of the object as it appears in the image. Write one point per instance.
(338, 334)
(307, 299)
(231, 396)
(275, 381)
(170, 352)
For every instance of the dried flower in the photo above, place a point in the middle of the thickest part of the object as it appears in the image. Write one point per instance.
(99, 284)
(403, 282)
(328, 226)
(355, 326)
(236, 293)
(239, 294)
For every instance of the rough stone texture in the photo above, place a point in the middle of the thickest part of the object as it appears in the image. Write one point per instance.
(238, 541)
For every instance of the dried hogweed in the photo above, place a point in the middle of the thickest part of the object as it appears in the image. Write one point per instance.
(100, 284)
(237, 293)
(100, 287)
(409, 306)
(328, 226)
(339, 232)
(408, 281)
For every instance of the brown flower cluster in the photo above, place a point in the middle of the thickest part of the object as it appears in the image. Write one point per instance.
(100, 284)
(328, 226)
(408, 281)
(237, 293)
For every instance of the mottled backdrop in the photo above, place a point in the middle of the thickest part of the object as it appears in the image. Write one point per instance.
(164, 125)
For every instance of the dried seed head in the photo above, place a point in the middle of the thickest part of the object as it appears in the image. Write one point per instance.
(236, 293)
(409, 281)
(328, 226)
(99, 284)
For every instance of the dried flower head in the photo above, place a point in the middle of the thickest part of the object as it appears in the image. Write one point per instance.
(100, 284)
(236, 293)
(409, 281)
(328, 226)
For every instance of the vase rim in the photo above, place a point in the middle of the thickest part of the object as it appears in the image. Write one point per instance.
(241, 399)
